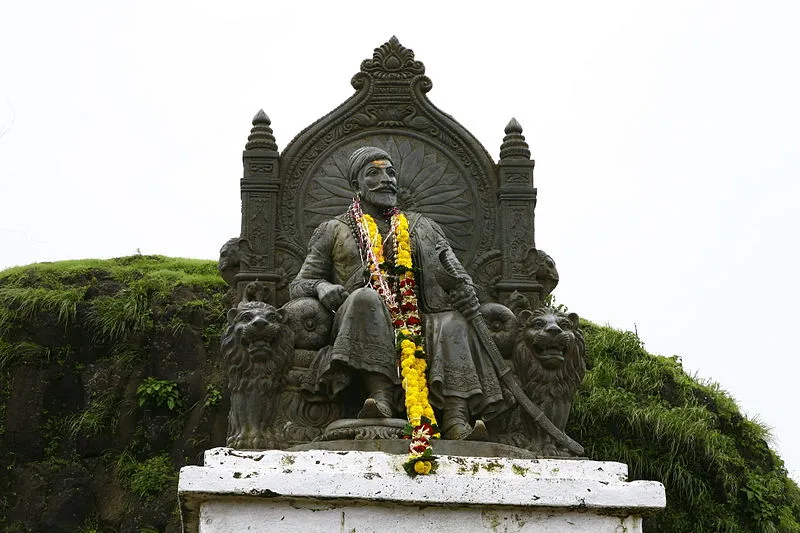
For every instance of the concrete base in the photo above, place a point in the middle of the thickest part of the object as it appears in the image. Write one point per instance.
(357, 492)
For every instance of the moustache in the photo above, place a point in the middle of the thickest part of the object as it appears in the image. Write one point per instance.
(383, 188)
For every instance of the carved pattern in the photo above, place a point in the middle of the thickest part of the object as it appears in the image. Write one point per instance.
(257, 227)
(261, 137)
(519, 227)
(260, 167)
(250, 260)
(516, 177)
(514, 145)
(429, 183)
(362, 433)
(392, 61)
(371, 107)
(487, 270)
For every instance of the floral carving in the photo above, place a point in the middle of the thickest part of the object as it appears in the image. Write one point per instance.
(429, 183)
(392, 60)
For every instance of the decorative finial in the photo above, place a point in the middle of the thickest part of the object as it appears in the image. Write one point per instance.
(392, 61)
(261, 137)
(514, 145)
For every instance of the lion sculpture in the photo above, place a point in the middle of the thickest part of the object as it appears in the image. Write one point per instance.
(257, 347)
(549, 357)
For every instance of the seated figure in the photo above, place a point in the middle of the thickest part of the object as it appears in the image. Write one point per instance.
(379, 270)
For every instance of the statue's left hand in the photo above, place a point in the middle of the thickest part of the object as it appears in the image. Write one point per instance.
(464, 299)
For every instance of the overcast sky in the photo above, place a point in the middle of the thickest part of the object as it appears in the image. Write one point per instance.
(665, 135)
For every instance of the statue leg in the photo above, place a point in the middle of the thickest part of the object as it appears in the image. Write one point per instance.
(463, 382)
(364, 343)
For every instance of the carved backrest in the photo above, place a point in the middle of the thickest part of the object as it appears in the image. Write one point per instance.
(485, 208)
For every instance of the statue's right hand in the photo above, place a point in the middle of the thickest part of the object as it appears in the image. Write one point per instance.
(330, 295)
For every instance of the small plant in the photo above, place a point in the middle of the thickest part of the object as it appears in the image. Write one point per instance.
(148, 478)
(213, 395)
(155, 393)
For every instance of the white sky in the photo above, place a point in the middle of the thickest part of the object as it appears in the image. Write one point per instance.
(665, 136)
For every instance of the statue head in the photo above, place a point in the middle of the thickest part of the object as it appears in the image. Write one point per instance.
(372, 175)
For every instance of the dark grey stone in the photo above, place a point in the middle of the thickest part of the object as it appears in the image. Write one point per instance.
(467, 212)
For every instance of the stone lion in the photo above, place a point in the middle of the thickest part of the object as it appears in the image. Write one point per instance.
(549, 359)
(257, 348)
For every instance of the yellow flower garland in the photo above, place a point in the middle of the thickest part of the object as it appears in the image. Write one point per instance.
(408, 326)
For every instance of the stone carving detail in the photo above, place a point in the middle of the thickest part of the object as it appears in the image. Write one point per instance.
(429, 183)
(542, 268)
(393, 61)
(229, 260)
(514, 145)
(257, 348)
(520, 229)
(549, 357)
(259, 225)
(261, 137)
(391, 97)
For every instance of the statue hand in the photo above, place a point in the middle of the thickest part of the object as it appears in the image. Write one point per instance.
(464, 300)
(330, 295)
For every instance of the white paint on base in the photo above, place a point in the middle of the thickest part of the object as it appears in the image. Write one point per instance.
(321, 490)
(335, 517)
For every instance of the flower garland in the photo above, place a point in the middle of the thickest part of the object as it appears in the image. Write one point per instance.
(397, 287)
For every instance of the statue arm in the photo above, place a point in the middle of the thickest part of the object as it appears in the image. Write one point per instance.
(463, 297)
(318, 265)
(442, 244)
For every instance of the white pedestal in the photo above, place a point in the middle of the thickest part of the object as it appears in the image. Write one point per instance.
(360, 492)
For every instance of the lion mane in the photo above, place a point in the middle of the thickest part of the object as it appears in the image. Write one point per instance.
(257, 347)
(549, 358)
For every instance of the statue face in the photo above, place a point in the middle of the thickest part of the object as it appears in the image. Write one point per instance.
(377, 183)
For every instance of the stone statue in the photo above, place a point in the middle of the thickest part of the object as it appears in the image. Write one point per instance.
(377, 322)
(462, 382)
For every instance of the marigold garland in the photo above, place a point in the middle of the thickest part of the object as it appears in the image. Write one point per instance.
(397, 287)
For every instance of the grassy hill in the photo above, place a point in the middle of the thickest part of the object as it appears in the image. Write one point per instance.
(111, 379)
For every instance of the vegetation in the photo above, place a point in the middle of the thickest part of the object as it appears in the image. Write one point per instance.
(146, 479)
(157, 393)
(716, 465)
(112, 352)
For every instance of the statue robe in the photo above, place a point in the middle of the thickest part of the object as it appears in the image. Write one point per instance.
(362, 333)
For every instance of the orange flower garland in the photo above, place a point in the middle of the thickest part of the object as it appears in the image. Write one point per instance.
(401, 300)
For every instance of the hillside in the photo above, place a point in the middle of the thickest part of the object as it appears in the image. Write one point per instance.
(111, 379)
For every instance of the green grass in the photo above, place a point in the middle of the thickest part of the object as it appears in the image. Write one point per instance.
(148, 478)
(27, 301)
(716, 465)
(633, 407)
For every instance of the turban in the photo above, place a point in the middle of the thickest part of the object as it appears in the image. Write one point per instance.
(359, 158)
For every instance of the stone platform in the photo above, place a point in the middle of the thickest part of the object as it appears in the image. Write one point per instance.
(359, 492)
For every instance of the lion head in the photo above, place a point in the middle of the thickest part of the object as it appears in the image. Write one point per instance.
(550, 360)
(257, 346)
(229, 260)
(256, 336)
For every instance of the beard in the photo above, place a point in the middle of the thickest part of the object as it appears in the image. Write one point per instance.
(381, 199)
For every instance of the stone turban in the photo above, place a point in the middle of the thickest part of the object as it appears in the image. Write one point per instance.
(359, 158)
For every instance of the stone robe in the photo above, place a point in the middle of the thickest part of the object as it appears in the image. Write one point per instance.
(363, 336)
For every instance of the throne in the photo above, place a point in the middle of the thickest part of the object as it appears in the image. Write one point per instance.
(485, 208)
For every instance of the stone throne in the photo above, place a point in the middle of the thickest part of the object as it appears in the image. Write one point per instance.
(485, 208)
(272, 475)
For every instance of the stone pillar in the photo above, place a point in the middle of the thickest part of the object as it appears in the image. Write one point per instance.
(322, 491)
(517, 205)
(259, 186)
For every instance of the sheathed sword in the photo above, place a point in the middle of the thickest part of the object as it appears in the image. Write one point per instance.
(449, 279)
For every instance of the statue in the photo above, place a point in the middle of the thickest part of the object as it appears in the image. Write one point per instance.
(374, 301)
(395, 311)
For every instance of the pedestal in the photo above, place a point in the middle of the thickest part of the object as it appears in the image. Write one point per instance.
(352, 491)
